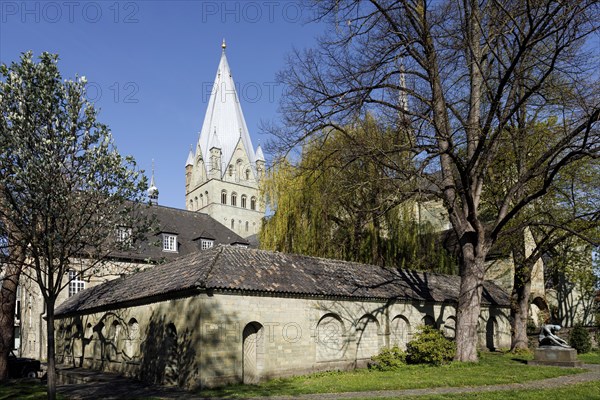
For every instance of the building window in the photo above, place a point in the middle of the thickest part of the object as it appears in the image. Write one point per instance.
(234, 199)
(76, 283)
(206, 244)
(243, 201)
(232, 224)
(253, 203)
(123, 234)
(223, 197)
(247, 174)
(230, 170)
(169, 242)
(196, 200)
(18, 305)
(247, 226)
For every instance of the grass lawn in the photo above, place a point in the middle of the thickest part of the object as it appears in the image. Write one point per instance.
(26, 389)
(581, 391)
(493, 368)
(592, 357)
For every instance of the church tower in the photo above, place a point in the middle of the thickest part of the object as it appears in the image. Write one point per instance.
(223, 173)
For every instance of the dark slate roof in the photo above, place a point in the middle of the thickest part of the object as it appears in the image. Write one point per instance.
(189, 226)
(250, 270)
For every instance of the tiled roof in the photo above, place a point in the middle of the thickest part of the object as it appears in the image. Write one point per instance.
(251, 270)
(189, 226)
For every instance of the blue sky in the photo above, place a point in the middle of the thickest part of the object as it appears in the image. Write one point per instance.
(151, 64)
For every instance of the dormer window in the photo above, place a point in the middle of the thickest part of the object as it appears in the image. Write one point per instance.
(169, 242)
(206, 244)
(76, 282)
(123, 235)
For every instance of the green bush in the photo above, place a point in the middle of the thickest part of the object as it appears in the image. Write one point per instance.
(430, 347)
(388, 359)
(580, 339)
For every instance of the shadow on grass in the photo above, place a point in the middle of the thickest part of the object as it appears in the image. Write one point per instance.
(519, 360)
(27, 389)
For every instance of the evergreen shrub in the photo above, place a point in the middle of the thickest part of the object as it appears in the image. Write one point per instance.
(580, 339)
(388, 359)
(430, 347)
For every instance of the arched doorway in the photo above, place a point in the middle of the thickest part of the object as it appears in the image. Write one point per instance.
(252, 352)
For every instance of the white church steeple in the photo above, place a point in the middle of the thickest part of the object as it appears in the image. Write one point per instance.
(225, 117)
(223, 174)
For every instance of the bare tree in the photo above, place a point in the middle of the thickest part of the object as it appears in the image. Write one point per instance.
(65, 188)
(456, 73)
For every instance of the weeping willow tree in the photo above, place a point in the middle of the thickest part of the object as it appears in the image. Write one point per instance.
(340, 200)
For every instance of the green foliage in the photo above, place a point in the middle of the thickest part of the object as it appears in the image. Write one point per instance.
(519, 352)
(338, 202)
(430, 347)
(64, 186)
(388, 359)
(580, 339)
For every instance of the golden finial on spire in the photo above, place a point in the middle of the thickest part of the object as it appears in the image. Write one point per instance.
(223, 45)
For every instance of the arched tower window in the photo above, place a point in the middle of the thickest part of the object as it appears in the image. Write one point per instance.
(243, 201)
(234, 199)
(247, 226)
(232, 224)
(231, 170)
(238, 169)
(224, 197)
(253, 203)
(248, 174)
(196, 200)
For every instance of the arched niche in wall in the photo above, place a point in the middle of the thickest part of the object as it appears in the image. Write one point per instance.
(450, 327)
(367, 337)
(400, 331)
(330, 338)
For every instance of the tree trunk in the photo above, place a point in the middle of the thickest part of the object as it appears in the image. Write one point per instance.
(519, 308)
(469, 308)
(519, 302)
(8, 300)
(51, 353)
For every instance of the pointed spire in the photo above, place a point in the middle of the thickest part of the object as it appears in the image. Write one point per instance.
(190, 159)
(153, 190)
(259, 154)
(224, 113)
(215, 143)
